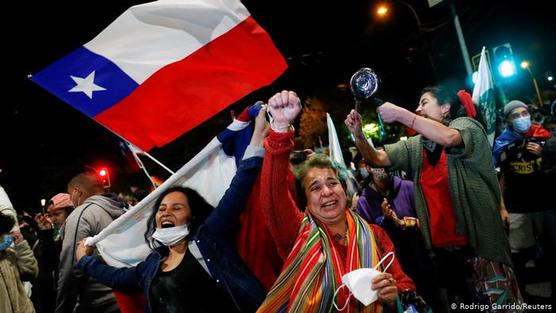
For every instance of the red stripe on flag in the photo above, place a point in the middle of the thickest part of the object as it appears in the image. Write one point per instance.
(186, 93)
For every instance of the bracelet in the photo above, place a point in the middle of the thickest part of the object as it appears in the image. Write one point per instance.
(280, 129)
(413, 121)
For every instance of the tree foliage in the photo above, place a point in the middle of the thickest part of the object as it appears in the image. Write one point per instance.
(312, 125)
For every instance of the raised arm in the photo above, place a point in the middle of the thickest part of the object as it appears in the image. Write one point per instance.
(282, 216)
(431, 129)
(225, 218)
(377, 158)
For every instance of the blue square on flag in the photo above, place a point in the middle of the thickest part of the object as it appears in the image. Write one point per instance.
(87, 81)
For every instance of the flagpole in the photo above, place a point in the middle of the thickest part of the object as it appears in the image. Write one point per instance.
(149, 176)
(132, 147)
(157, 162)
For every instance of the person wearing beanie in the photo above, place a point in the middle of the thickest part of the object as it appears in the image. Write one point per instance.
(519, 152)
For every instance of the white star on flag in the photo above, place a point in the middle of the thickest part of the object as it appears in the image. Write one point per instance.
(86, 85)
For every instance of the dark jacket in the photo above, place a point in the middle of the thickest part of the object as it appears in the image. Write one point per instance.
(401, 198)
(215, 239)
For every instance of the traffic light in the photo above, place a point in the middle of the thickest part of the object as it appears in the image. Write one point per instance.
(104, 176)
(504, 60)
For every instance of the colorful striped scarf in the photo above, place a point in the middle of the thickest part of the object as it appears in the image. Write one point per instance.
(314, 269)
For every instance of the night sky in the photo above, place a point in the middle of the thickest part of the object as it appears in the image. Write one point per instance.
(45, 142)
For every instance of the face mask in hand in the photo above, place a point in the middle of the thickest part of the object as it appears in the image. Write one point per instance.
(522, 124)
(171, 235)
(8, 240)
(359, 283)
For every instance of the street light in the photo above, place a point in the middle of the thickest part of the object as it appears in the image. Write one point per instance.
(526, 66)
(382, 11)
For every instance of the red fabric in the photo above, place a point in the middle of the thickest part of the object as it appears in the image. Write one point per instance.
(537, 131)
(282, 216)
(403, 282)
(410, 132)
(254, 243)
(188, 92)
(130, 302)
(442, 219)
(467, 102)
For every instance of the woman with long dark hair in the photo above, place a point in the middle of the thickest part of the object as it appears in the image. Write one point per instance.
(457, 196)
(195, 267)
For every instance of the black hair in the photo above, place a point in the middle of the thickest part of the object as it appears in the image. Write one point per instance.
(319, 160)
(297, 157)
(200, 210)
(7, 222)
(445, 95)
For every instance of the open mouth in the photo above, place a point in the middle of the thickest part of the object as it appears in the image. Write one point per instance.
(167, 224)
(329, 204)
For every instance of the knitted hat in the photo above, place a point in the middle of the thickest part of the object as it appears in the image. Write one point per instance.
(59, 202)
(514, 104)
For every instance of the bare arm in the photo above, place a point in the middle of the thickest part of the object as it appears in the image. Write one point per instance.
(433, 130)
(376, 157)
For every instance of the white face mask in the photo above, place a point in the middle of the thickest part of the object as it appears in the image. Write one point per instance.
(359, 283)
(171, 235)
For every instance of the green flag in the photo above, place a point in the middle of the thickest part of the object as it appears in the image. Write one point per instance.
(483, 96)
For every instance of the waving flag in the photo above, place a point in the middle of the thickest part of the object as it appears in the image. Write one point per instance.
(483, 96)
(337, 156)
(209, 172)
(164, 67)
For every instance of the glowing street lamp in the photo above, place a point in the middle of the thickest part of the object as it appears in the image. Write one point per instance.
(382, 10)
(526, 66)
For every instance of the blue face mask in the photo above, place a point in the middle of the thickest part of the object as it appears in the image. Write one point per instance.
(8, 240)
(521, 125)
(364, 173)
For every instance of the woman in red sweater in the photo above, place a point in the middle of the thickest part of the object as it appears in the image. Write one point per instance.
(325, 242)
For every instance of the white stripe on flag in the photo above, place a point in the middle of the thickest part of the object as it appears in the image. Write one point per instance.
(337, 155)
(210, 173)
(173, 29)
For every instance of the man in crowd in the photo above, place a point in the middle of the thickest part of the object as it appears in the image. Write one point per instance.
(519, 152)
(94, 211)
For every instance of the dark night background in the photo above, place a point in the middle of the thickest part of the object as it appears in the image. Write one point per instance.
(45, 142)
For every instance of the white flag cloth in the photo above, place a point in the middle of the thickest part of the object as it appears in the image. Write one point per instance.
(337, 156)
(156, 64)
(483, 96)
(210, 172)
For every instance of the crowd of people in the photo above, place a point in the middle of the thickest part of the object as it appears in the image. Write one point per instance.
(461, 219)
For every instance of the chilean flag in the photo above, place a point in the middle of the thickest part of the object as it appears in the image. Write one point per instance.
(164, 67)
(210, 172)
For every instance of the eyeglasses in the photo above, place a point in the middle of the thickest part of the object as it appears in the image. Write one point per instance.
(517, 115)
